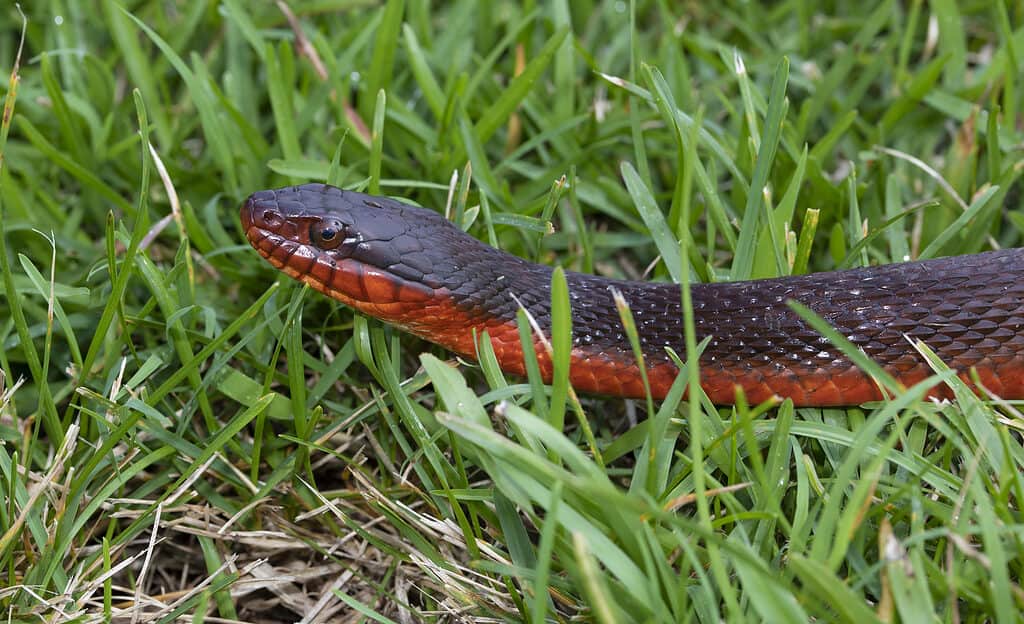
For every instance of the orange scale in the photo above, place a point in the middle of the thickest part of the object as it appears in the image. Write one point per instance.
(602, 376)
(379, 286)
(720, 387)
(504, 337)
(661, 377)
(751, 377)
(585, 373)
(292, 272)
(413, 292)
(1011, 377)
(987, 377)
(281, 253)
(872, 392)
(814, 385)
(303, 259)
(760, 393)
(852, 379)
(346, 280)
(321, 271)
(826, 395)
(765, 388)
(395, 310)
(918, 375)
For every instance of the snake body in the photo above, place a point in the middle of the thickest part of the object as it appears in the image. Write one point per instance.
(410, 267)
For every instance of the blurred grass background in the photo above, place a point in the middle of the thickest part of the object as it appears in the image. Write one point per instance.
(189, 435)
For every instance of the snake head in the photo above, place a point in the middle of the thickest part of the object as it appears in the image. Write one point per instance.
(366, 251)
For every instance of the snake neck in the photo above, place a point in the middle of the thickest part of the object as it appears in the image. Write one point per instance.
(486, 288)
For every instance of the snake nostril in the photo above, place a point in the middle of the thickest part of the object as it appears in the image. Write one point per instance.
(271, 217)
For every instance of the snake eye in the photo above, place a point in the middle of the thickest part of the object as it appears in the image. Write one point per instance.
(327, 234)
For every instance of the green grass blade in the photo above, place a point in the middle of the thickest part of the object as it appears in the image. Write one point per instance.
(743, 263)
(499, 112)
(382, 63)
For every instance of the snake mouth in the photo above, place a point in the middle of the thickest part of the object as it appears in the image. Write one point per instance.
(268, 228)
(272, 236)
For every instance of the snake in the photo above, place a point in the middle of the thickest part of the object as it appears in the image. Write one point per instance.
(414, 269)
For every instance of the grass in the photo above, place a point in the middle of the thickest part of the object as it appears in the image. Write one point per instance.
(188, 434)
